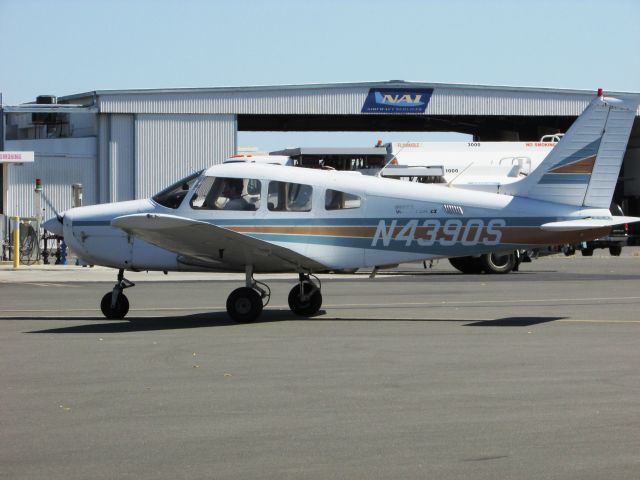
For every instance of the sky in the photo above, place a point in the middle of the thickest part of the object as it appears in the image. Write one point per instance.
(62, 47)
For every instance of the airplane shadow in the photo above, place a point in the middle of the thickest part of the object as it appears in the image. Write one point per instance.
(514, 322)
(178, 322)
(221, 319)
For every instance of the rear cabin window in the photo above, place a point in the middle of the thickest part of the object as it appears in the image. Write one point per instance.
(172, 196)
(223, 193)
(289, 197)
(336, 200)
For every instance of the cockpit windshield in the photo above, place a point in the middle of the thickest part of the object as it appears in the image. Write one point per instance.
(172, 196)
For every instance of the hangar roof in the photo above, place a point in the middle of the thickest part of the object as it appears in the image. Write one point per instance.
(374, 84)
(340, 99)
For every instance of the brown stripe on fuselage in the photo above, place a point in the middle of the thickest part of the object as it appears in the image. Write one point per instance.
(536, 236)
(584, 165)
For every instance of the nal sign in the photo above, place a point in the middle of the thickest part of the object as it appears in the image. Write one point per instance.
(397, 100)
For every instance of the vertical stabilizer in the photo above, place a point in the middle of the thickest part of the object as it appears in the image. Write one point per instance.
(583, 167)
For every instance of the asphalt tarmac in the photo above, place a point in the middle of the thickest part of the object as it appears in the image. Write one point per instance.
(414, 374)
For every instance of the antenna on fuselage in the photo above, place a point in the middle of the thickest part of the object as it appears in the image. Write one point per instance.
(454, 178)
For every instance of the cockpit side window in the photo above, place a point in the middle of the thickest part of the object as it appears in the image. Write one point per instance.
(172, 196)
(289, 197)
(223, 193)
(336, 200)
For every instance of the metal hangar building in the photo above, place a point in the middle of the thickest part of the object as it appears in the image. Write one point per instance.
(126, 144)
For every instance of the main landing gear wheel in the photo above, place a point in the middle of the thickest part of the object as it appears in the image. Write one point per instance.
(115, 305)
(244, 304)
(305, 298)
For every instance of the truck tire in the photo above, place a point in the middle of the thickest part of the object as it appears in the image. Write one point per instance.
(615, 250)
(587, 252)
(499, 263)
(468, 265)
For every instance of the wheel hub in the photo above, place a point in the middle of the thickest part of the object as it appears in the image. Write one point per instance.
(243, 305)
(500, 260)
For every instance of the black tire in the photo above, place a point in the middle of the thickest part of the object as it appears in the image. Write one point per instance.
(308, 307)
(468, 265)
(587, 252)
(244, 305)
(498, 263)
(615, 250)
(121, 309)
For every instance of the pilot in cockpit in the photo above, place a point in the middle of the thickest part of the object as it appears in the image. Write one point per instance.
(232, 190)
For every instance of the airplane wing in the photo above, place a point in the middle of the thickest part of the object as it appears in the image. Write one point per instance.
(202, 240)
(586, 223)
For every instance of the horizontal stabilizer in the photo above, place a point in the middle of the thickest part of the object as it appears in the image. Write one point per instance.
(586, 224)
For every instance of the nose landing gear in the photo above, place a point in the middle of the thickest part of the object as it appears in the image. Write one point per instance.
(115, 304)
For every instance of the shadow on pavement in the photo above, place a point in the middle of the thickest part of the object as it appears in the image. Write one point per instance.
(513, 322)
(221, 319)
(141, 324)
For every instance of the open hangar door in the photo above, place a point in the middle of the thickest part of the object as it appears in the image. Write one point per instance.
(485, 128)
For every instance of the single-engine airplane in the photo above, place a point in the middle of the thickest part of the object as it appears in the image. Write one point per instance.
(272, 218)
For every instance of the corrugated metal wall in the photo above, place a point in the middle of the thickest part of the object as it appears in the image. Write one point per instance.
(133, 157)
(446, 100)
(328, 101)
(169, 147)
(460, 101)
(59, 163)
(103, 158)
(121, 159)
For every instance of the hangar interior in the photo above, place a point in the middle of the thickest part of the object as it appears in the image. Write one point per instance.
(127, 144)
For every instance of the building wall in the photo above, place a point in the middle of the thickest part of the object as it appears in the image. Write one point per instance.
(133, 156)
(102, 148)
(169, 147)
(121, 158)
(59, 163)
(145, 140)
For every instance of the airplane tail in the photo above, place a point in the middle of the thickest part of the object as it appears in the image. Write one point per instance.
(583, 168)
